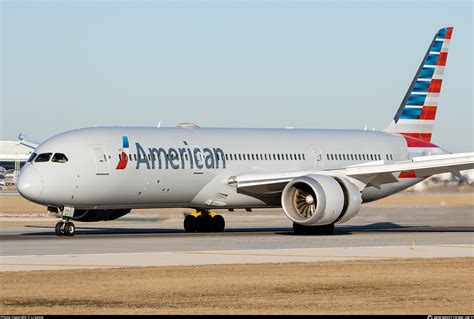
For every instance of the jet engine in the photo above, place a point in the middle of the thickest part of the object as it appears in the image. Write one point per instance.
(320, 200)
(96, 215)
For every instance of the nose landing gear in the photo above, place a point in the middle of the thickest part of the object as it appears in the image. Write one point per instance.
(65, 228)
(204, 221)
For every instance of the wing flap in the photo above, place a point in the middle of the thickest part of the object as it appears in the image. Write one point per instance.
(424, 166)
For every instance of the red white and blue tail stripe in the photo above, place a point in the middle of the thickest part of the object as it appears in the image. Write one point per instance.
(417, 112)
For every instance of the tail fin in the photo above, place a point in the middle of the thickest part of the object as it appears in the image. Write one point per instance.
(416, 114)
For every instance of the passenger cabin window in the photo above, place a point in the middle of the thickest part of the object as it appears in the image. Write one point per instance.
(44, 157)
(59, 158)
(32, 157)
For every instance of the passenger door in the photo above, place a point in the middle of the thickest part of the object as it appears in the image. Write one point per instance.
(318, 157)
(100, 159)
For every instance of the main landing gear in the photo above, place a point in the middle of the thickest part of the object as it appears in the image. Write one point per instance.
(204, 221)
(313, 230)
(65, 228)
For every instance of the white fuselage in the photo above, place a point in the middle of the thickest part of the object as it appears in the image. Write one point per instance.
(190, 167)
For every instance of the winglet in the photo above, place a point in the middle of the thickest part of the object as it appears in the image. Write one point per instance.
(23, 139)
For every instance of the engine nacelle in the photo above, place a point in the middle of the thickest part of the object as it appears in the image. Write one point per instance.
(97, 215)
(320, 200)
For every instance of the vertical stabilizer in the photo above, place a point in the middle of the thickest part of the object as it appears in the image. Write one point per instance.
(417, 112)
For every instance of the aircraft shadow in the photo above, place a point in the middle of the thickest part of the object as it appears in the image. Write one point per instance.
(388, 227)
(83, 230)
(382, 227)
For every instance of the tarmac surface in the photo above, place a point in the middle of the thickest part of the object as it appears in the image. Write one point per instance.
(262, 236)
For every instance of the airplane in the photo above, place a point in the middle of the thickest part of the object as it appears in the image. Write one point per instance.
(320, 177)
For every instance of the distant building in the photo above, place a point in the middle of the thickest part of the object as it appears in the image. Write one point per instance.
(3, 172)
(446, 179)
(13, 156)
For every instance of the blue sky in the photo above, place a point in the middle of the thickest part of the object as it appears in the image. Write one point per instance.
(304, 64)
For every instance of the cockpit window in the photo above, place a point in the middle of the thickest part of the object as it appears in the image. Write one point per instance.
(59, 158)
(44, 157)
(32, 157)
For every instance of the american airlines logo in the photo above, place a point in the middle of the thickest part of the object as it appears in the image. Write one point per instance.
(123, 154)
(187, 156)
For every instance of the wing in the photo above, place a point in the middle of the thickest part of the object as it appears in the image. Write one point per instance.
(373, 173)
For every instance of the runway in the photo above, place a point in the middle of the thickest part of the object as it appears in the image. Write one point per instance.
(262, 236)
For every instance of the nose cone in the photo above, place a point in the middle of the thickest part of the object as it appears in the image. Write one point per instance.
(30, 184)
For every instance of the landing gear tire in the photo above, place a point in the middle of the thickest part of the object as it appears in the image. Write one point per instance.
(218, 224)
(299, 229)
(204, 223)
(328, 229)
(189, 223)
(70, 229)
(64, 228)
(200, 224)
(59, 229)
(313, 230)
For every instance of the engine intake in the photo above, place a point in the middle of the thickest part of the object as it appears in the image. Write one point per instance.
(320, 200)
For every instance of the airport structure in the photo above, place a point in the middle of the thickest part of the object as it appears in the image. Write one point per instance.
(13, 156)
